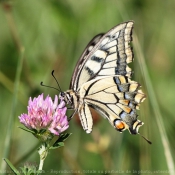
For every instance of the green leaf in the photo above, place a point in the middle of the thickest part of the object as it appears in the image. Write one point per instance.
(60, 141)
(42, 131)
(30, 170)
(11, 166)
(57, 145)
(28, 130)
(63, 137)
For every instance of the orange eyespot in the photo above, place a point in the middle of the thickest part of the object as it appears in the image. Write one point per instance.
(119, 125)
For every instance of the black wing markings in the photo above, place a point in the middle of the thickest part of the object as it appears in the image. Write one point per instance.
(123, 34)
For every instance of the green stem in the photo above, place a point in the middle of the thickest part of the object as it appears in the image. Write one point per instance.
(41, 164)
(43, 151)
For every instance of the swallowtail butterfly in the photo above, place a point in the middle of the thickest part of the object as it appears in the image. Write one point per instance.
(101, 80)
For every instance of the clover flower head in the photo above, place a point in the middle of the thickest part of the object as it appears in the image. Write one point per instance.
(45, 114)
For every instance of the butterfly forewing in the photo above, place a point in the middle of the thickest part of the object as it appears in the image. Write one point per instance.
(83, 59)
(108, 57)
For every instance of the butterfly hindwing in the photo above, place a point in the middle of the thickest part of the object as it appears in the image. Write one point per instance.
(85, 117)
(114, 97)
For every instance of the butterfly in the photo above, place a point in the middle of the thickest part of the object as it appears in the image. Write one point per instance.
(102, 80)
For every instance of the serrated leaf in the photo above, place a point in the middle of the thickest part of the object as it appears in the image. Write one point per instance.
(11, 166)
(25, 129)
(57, 145)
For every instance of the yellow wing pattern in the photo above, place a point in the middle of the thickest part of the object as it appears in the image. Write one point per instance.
(116, 98)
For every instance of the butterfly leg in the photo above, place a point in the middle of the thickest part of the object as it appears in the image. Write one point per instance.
(71, 116)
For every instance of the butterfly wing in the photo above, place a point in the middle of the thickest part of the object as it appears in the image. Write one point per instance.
(101, 80)
(116, 98)
(109, 55)
(82, 59)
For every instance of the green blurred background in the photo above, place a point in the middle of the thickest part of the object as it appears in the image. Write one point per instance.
(54, 34)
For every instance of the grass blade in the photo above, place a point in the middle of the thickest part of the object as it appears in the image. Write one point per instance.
(154, 103)
(8, 139)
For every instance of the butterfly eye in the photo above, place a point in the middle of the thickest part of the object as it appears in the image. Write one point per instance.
(62, 94)
(119, 125)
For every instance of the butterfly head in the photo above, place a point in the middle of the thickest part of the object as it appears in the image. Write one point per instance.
(66, 97)
(69, 97)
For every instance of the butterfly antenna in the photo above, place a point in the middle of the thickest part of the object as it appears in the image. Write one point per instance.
(49, 86)
(145, 139)
(56, 81)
